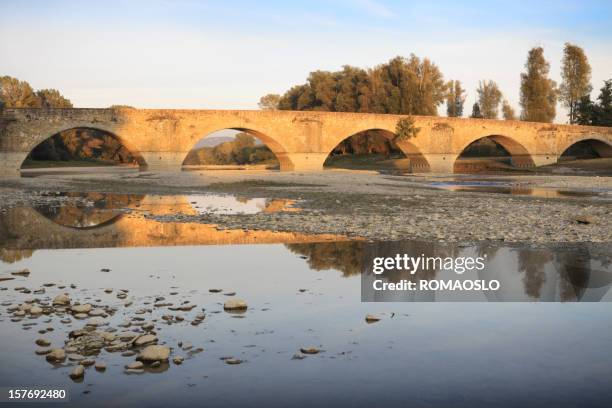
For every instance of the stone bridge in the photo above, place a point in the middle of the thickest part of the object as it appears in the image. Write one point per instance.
(161, 138)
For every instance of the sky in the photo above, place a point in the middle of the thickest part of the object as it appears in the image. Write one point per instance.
(227, 54)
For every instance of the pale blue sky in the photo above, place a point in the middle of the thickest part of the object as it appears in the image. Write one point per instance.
(226, 54)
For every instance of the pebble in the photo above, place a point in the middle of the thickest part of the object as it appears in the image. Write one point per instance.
(42, 342)
(144, 340)
(371, 318)
(100, 366)
(154, 353)
(85, 308)
(77, 372)
(135, 365)
(235, 304)
(178, 360)
(310, 350)
(56, 355)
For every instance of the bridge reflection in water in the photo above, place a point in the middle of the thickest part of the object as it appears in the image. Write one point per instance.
(96, 220)
(578, 272)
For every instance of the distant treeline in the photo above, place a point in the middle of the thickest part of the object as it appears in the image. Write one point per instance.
(242, 150)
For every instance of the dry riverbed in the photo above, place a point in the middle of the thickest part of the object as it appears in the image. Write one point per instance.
(366, 204)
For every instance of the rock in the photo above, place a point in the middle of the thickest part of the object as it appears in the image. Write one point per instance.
(105, 270)
(235, 304)
(310, 350)
(154, 353)
(43, 342)
(134, 371)
(215, 290)
(81, 316)
(100, 366)
(186, 346)
(371, 318)
(230, 293)
(36, 310)
(127, 336)
(75, 357)
(178, 360)
(298, 356)
(144, 340)
(97, 312)
(233, 361)
(96, 321)
(88, 362)
(56, 356)
(6, 278)
(584, 219)
(42, 351)
(23, 272)
(85, 308)
(135, 365)
(109, 290)
(77, 372)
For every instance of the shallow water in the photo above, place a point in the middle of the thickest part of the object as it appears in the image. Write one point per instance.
(508, 187)
(301, 292)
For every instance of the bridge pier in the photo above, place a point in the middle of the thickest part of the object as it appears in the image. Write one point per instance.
(301, 161)
(544, 159)
(163, 161)
(10, 163)
(441, 163)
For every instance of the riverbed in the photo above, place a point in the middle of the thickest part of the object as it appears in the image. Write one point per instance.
(157, 257)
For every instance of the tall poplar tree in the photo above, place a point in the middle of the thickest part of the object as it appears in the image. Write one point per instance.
(538, 93)
(489, 97)
(576, 83)
(455, 99)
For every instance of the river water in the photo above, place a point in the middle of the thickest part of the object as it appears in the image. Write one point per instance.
(549, 346)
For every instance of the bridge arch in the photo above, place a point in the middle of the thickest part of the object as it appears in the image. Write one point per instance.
(518, 154)
(271, 142)
(599, 145)
(36, 142)
(417, 161)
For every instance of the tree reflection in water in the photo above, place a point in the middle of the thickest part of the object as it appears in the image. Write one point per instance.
(568, 272)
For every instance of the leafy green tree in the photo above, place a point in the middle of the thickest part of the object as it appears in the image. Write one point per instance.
(401, 86)
(455, 99)
(508, 111)
(17, 94)
(538, 93)
(584, 111)
(405, 129)
(269, 102)
(476, 111)
(489, 97)
(602, 113)
(576, 74)
(51, 98)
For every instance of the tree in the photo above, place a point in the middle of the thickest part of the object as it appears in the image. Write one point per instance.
(17, 94)
(508, 111)
(538, 93)
(455, 99)
(584, 111)
(269, 102)
(489, 97)
(602, 112)
(400, 86)
(576, 74)
(405, 129)
(51, 98)
(476, 111)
